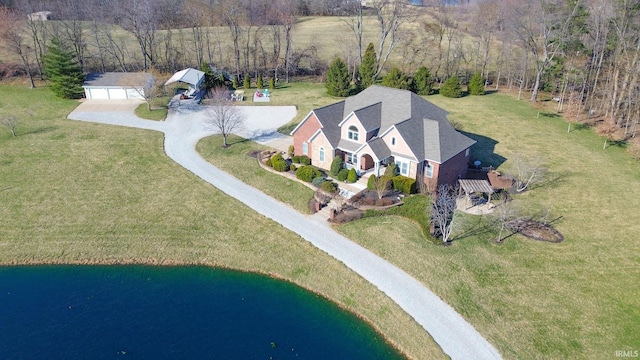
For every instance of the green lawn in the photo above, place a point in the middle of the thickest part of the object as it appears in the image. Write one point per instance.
(76, 192)
(159, 109)
(576, 299)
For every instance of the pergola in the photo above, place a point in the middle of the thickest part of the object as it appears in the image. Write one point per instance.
(470, 186)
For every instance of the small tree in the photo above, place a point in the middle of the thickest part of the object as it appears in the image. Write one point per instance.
(476, 85)
(338, 81)
(223, 115)
(368, 67)
(423, 81)
(235, 82)
(10, 122)
(291, 151)
(212, 78)
(391, 170)
(395, 78)
(247, 81)
(272, 84)
(451, 88)
(336, 166)
(63, 71)
(443, 207)
(259, 82)
(381, 185)
(528, 171)
(504, 213)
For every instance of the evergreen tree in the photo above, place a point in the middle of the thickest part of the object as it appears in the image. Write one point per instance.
(336, 166)
(235, 82)
(272, 84)
(212, 78)
(397, 79)
(451, 88)
(423, 81)
(337, 83)
(368, 67)
(476, 85)
(63, 71)
(259, 82)
(247, 81)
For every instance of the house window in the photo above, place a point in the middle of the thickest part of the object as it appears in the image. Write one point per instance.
(352, 134)
(351, 158)
(403, 167)
(428, 171)
(321, 153)
(393, 141)
(305, 148)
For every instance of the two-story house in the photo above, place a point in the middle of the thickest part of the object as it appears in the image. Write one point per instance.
(380, 125)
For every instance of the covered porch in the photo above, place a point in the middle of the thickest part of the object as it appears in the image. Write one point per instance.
(370, 158)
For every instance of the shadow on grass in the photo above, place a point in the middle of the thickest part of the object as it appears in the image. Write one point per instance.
(478, 228)
(484, 150)
(41, 130)
(549, 115)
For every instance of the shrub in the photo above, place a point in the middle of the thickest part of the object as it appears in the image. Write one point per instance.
(279, 163)
(304, 159)
(247, 81)
(336, 166)
(307, 173)
(292, 167)
(352, 176)
(404, 184)
(272, 84)
(329, 186)
(268, 163)
(343, 174)
(318, 181)
(371, 183)
(291, 151)
(259, 82)
(295, 159)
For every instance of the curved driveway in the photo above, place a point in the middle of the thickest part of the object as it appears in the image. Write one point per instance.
(184, 127)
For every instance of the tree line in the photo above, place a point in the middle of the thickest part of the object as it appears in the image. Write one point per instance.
(584, 52)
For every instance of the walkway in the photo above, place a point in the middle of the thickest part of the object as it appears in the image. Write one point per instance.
(457, 338)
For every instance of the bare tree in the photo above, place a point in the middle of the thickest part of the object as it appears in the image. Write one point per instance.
(10, 122)
(381, 185)
(443, 208)
(504, 213)
(11, 29)
(528, 171)
(224, 115)
(391, 15)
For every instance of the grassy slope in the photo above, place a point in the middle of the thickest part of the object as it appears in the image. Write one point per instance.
(74, 192)
(577, 299)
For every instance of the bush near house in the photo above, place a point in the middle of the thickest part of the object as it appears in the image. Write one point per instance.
(307, 173)
(352, 176)
(404, 184)
(329, 186)
(343, 174)
(318, 181)
(305, 160)
(292, 167)
(336, 165)
(279, 163)
(295, 159)
(371, 183)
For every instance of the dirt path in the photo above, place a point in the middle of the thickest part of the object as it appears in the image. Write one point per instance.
(182, 129)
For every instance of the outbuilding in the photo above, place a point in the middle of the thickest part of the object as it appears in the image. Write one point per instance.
(117, 85)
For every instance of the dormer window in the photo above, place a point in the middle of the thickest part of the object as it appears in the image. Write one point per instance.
(352, 133)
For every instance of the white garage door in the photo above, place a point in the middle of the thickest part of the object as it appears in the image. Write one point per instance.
(97, 93)
(117, 93)
(135, 94)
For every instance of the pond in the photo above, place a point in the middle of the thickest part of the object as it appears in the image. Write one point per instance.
(145, 312)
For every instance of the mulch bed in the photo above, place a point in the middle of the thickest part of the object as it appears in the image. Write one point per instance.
(536, 230)
(368, 198)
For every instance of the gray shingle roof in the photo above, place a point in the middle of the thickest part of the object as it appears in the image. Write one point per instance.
(119, 79)
(423, 125)
(380, 148)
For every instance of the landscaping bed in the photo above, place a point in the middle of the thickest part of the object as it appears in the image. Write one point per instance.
(536, 230)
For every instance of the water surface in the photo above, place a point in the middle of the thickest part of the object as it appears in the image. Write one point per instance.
(143, 312)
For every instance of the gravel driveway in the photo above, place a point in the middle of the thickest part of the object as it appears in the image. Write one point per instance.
(184, 127)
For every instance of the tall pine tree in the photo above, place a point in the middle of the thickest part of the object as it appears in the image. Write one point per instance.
(451, 88)
(423, 81)
(476, 85)
(337, 83)
(63, 71)
(368, 67)
(397, 79)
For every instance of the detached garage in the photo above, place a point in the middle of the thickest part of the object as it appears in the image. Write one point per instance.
(116, 85)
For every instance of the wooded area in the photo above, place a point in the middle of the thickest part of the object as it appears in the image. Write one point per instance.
(583, 52)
